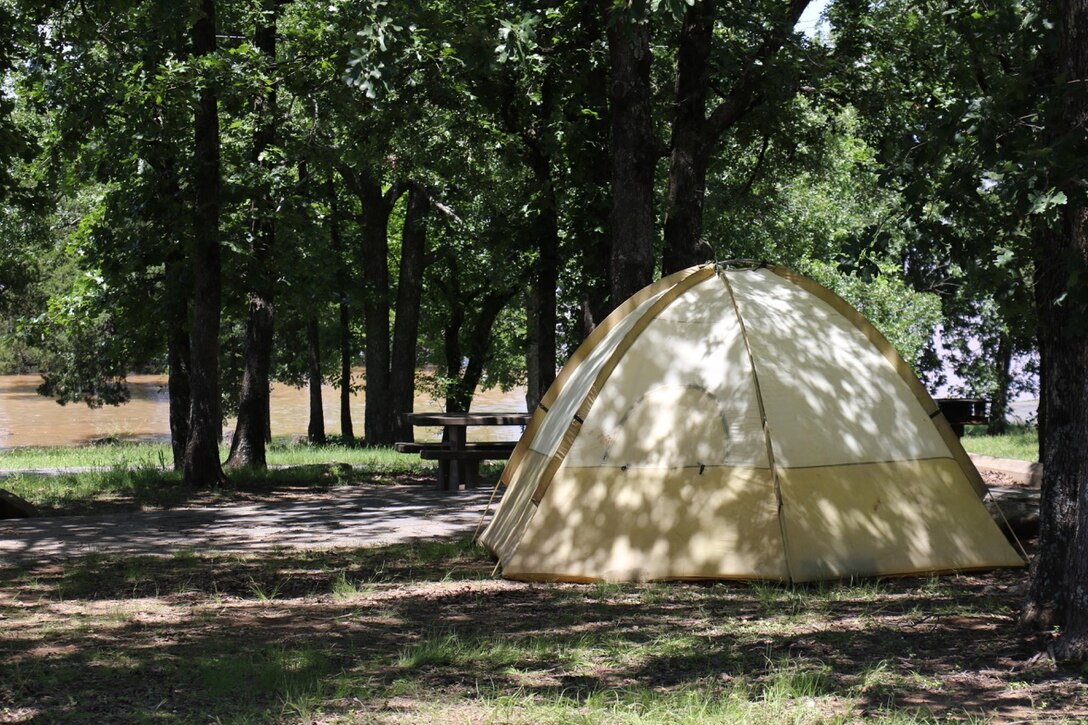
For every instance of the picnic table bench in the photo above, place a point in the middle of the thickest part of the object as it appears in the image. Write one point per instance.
(458, 458)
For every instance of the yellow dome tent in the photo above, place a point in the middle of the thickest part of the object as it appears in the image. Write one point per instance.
(739, 423)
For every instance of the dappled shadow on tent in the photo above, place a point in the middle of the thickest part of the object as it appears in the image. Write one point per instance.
(669, 472)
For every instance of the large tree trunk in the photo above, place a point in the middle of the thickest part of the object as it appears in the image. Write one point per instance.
(688, 158)
(633, 149)
(406, 321)
(1058, 502)
(315, 430)
(542, 295)
(248, 445)
(347, 430)
(202, 467)
(1059, 585)
(175, 307)
(592, 161)
(379, 417)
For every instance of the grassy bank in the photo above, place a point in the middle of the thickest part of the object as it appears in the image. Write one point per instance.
(421, 633)
(130, 477)
(158, 456)
(1021, 442)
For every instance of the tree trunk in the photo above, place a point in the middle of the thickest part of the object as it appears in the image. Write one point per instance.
(1060, 573)
(1058, 501)
(533, 394)
(177, 359)
(593, 163)
(402, 371)
(347, 430)
(379, 418)
(175, 306)
(248, 445)
(478, 351)
(202, 467)
(688, 158)
(633, 149)
(450, 286)
(999, 405)
(315, 431)
(542, 295)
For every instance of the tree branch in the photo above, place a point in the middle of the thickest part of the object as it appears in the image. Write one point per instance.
(740, 98)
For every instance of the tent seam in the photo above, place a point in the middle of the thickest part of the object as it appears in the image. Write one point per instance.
(763, 416)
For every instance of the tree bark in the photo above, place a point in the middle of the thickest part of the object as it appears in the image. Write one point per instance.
(315, 430)
(633, 150)
(402, 371)
(999, 405)
(202, 467)
(175, 304)
(687, 157)
(347, 430)
(177, 359)
(379, 419)
(450, 285)
(592, 163)
(248, 445)
(542, 301)
(1059, 584)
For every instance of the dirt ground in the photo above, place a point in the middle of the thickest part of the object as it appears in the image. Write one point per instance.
(300, 517)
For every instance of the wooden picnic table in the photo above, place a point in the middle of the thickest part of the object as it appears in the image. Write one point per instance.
(458, 459)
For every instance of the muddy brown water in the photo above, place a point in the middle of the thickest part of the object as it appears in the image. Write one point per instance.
(28, 419)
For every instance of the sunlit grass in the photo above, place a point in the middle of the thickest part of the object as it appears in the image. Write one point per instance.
(127, 476)
(130, 455)
(1021, 442)
(379, 459)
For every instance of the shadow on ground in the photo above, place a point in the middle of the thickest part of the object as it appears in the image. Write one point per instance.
(418, 631)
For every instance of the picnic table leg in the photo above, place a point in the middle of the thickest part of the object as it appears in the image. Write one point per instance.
(443, 475)
(472, 474)
(458, 468)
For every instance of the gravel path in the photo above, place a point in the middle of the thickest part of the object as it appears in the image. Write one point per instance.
(349, 516)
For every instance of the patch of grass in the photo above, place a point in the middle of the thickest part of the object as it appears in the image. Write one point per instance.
(345, 588)
(99, 491)
(604, 590)
(293, 675)
(142, 488)
(158, 456)
(796, 678)
(1021, 442)
(694, 704)
(111, 455)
